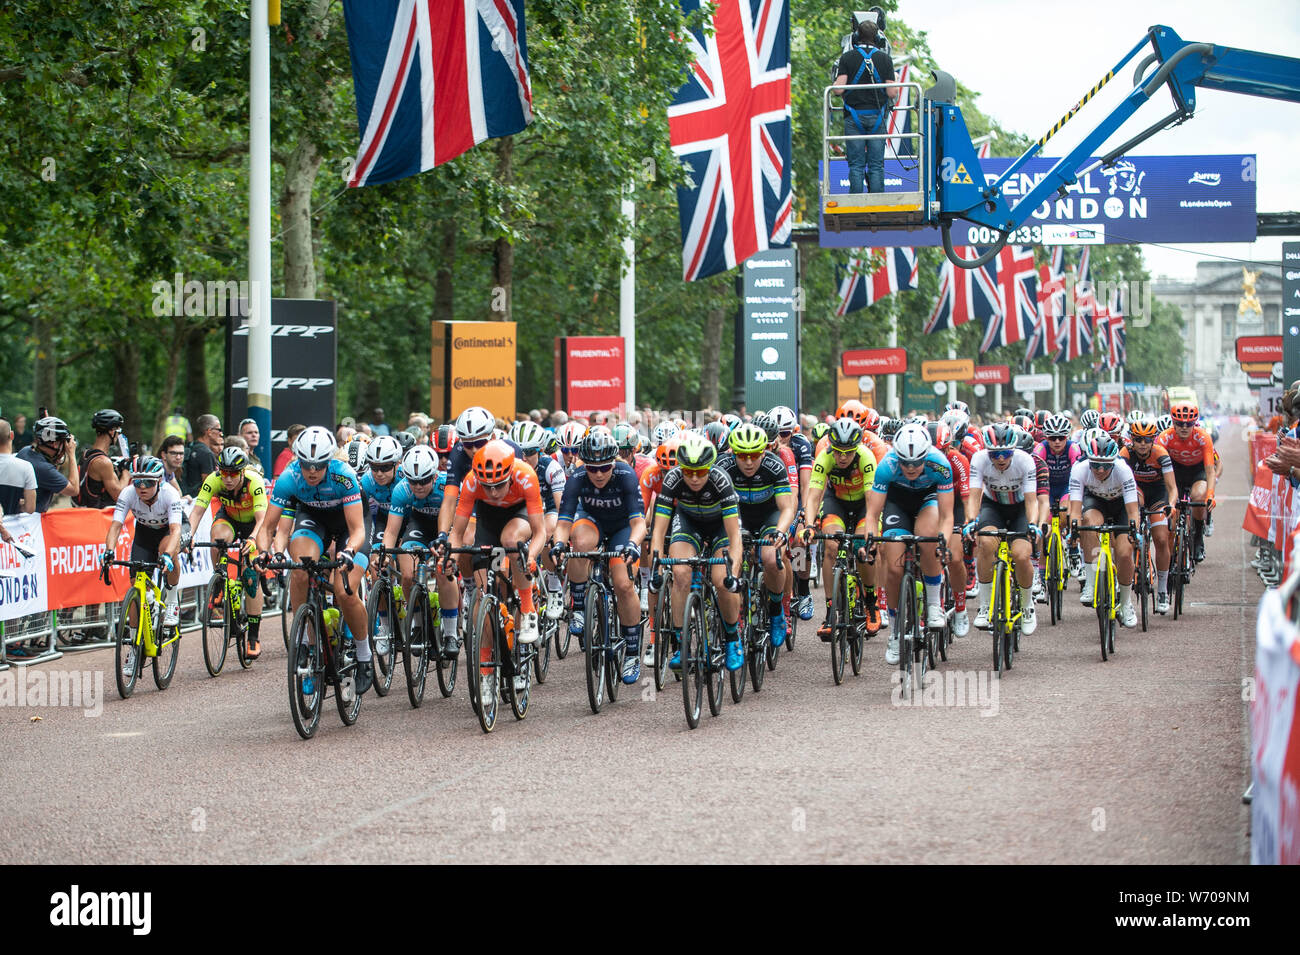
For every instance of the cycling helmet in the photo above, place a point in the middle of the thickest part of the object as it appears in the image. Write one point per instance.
(1144, 427)
(1022, 410)
(355, 454)
(232, 460)
(956, 420)
(748, 439)
(1111, 422)
(820, 430)
(475, 424)
(998, 436)
(570, 435)
(850, 409)
(958, 406)
(784, 418)
(1041, 416)
(1024, 421)
(550, 443)
(846, 434)
(1101, 449)
(1134, 416)
(493, 462)
(444, 438)
(626, 438)
(50, 429)
(383, 451)
(404, 439)
(1057, 426)
(599, 447)
(666, 454)
(717, 433)
(696, 452)
(1184, 413)
(1024, 439)
(1164, 422)
(731, 421)
(662, 432)
(315, 445)
(889, 427)
(912, 443)
(421, 463)
(147, 467)
(107, 420)
(1089, 418)
(528, 435)
(940, 436)
(869, 419)
(766, 424)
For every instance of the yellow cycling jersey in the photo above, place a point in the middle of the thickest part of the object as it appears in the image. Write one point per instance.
(243, 504)
(847, 484)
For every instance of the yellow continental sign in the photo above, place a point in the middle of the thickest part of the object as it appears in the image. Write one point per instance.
(1257, 367)
(948, 369)
(473, 363)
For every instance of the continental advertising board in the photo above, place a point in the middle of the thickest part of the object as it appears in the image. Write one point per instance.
(472, 363)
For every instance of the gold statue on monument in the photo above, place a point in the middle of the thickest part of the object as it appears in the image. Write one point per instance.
(1249, 300)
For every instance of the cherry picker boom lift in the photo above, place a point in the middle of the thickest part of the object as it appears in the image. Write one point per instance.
(951, 183)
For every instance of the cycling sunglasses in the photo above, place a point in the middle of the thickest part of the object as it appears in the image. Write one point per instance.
(1058, 437)
(755, 456)
(418, 483)
(382, 468)
(1002, 454)
(785, 434)
(696, 472)
(235, 473)
(598, 468)
(1100, 467)
(474, 445)
(312, 467)
(145, 483)
(499, 485)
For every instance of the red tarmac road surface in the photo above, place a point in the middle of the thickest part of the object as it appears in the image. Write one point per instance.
(1139, 760)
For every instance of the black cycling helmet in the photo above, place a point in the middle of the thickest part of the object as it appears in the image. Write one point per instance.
(405, 439)
(889, 427)
(106, 420)
(768, 424)
(717, 433)
(1024, 440)
(599, 447)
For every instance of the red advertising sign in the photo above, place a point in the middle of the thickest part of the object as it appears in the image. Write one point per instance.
(874, 361)
(1259, 348)
(992, 375)
(74, 539)
(589, 372)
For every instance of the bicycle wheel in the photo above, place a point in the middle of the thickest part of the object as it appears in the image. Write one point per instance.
(1058, 595)
(839, 624)
(485, 663)
(1011, 629)
(381, 619)
(1143, 586)
(737, 678)
(286, 612)
(904, 622)
(694, 659)
(164, 664)
(415, 652)
(519, 697)
(127, 652)
(663, 633)
(542, 658)
(595, 639)
(1052, 578)
(305, 706)
(447, 663)
(997, 613)
(716, 670)
(945, 635)
(760, 642)
(1101, 594)
(215, 641)
(855, 638)
(346, 698)
(617, 651)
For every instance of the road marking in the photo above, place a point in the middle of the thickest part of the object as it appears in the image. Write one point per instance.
(123, 735)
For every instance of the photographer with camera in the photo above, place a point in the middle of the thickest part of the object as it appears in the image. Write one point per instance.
(101, 475)
(866, 112)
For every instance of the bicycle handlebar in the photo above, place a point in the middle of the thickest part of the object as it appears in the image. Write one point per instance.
(313, 566)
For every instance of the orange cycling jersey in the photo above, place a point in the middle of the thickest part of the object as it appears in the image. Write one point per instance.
(1196, 448)
(1152, 468)
(524, 488)
(652, 481)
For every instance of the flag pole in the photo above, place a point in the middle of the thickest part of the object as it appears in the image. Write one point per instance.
(259, 226)
(891, 392)
(627, 304)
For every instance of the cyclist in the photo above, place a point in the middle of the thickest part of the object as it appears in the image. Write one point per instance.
(767, 506)
(1087, 421)
(412, 522)
(442, 441)
(1113, 424)
(1060, 454)
(941, 438)
(570, 436)
(1192, 451)
(717, 434)
(911, 493)
(242, 503)
(1042, 506)
(701, 507)
(503, 495)
(1154, 473)
(847, 468)
(601, 510)
(157, 510)
(629, 447)
(1003, 489)
(383, 462)
(1102, 491)
(324, 497)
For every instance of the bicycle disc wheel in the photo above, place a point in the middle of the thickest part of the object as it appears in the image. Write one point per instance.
(694, 648)
(485, 663)
(663, 635)
(127, 652)
(215, 643)
(716, 670)
(305, 707)
(415, 652)
(1101, 593)
(381, 620)
(594, 642)
(164, 664)
(996, 614)
(839, 624)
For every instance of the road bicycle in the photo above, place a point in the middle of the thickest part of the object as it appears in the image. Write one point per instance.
(917, 643)
(847, 618)
(1005, 614)
(321, 652)
(1145, 580)
(1181, 565)
(1057, 572)
(703, 650)
(755, 618)
(225, 594)
(141, 635)
(1105, 587)
(603, 645)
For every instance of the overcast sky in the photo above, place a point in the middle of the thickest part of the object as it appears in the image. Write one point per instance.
(1030, 62)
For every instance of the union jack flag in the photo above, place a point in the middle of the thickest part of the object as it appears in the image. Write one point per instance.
(1074, 333)
(1111, 335)
(434, 78)
(1051, 306)
(900, 117)
(963, 294)
(1017, 310)
(858, 289)
(730, 125)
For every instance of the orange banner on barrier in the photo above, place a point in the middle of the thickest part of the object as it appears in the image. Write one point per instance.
(1262, 444)
(74, 539)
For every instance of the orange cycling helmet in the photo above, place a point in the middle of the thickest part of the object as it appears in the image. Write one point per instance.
(493, 462)
(852, 408)
(869, 418)
(666, 454)
(1185, 413)
(1144, 427)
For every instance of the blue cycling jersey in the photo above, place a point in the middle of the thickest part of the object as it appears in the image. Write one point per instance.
(614, 505)
(378, 495)
(404, 501)
(338, 489)
(936, 474)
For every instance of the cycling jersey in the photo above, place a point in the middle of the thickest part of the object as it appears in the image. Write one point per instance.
(1191, 451)
(524, 492)
(378, 495)
(1118, 483)
(640, 462)
(1058, 466)
(759, 493)
(1042, 476)
(875, 444)
(338, 489)
(791, 466)
(1011, 486)
(611, 507)
(935, 476)
(1151, 469)
(802, 450)
(404, 501)
(242, 504)
(652, 479)
(960, 465)
(707, 507)
(157, 515)
(846, 484)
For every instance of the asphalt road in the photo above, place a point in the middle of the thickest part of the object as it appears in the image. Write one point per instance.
(1065, 760)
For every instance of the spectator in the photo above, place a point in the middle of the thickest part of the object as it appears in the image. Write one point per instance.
(535, 416)
(558, 419)
(201, 456)
(284, 457)
(252, 434)
(379, 426)
(178, 425)
(17, 477)
(172, 453)
(100, 484)
(52, 443)
(344, 434)
(22, 437)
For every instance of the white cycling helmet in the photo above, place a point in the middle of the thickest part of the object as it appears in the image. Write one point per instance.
(1134, 416)
(316, 445)
(475, 424)
(420, 463)
(958, 406)
(528, 435)
(662, 432)
(955, 420)
(912, 443)
(354, 452)
(784, 418)
(384, 451)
